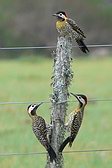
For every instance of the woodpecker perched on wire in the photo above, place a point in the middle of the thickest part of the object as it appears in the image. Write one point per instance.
(40, 129)
(75, 120)
(67, 26)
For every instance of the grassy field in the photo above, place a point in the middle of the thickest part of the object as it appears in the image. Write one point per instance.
(29, 80)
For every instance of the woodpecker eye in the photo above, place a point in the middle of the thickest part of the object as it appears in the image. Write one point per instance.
(80, 97)
(33, 105)
(61, 14)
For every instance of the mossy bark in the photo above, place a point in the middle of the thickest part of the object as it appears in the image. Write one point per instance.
(62, 76)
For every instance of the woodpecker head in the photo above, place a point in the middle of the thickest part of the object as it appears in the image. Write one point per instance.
(81, 98)
(32, 109)
(61, 15)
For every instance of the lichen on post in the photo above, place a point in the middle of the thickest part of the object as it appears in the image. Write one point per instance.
(62, 76)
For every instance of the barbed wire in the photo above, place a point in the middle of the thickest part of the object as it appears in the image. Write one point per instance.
(45, 101)
(65, 152)
(51, 47)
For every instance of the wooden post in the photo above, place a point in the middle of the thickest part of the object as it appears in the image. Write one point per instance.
(62, 76)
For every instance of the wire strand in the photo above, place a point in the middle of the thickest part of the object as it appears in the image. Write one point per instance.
(89, 151)
(27, 48)
(51, 47)
(46, 102)
(66, 152)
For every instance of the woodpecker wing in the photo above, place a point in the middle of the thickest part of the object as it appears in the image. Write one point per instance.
(75, 27)
(40, 130)
(76, 125)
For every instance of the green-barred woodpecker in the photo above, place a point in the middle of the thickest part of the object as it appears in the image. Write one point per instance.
(67, 26)
(74, 121)
(40, 129)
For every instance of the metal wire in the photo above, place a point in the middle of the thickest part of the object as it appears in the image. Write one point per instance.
(66, 152)
(51, 47)
(89, 151)
(46, 102)
(91, 100)
(99, 45)
(27, 48)
(30, 102)
(21, 154)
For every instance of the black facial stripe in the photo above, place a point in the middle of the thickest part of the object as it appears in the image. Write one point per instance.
(33, 112)
(61, 12)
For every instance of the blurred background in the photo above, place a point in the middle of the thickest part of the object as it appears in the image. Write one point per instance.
(25, 77)
(30, 23)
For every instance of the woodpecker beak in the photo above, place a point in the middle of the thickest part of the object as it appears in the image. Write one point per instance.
(38, 105)
(73, 94)
(55, 15)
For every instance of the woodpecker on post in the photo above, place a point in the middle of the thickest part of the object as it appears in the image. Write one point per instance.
(66, 26)
(40, 129)
(74, 121)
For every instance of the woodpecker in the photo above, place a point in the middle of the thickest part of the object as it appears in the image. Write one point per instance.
(75, 121)
(40, 129)
(66, 26)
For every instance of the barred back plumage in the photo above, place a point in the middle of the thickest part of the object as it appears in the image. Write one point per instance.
(40, 130)
(75, 120)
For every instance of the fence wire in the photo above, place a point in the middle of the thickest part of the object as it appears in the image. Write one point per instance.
(65, 152)
(51, 47)
(47, 102)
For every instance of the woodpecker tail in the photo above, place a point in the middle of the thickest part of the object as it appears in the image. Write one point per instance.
(52, 154)
(66, 141)
(71, 141)
(82, 46)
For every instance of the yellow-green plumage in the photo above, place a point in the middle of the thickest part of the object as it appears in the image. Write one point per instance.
(60, 24)
(67, 26)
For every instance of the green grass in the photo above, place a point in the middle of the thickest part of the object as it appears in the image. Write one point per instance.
(29, 80)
